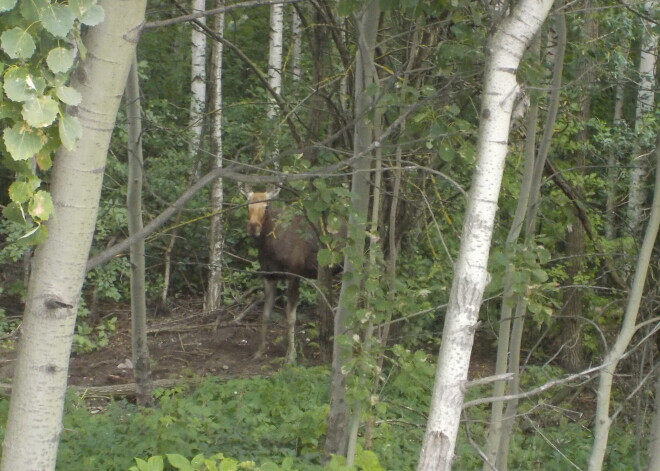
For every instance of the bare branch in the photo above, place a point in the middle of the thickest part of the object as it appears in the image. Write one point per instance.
(213, 11)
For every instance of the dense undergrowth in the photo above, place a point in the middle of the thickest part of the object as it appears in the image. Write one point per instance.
(278, 423)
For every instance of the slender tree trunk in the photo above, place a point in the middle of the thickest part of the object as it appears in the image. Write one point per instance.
(196, 125)
(510, 414)
(645, 99)
(654, 440)
(296, 46)
(365, 75)
(213, 299)
(613, 167)
(572, 353)
(602, 418)
(34, 424)
(275, 47)
(506, 48)
(509, 298)
(140, 347)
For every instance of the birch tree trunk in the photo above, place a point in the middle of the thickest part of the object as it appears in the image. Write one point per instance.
(296, 46)
(275, 55)
(602, 418)
(506, 48)
(139, 345)
(654, 440)
(365, 74)
(34, 424)
(213, 299)
(645, 100)
(195, 123)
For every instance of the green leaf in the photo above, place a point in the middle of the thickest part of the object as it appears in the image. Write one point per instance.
(19, 85)
(156, 463)
(34, 236)
(229, 464)
(269, 466)
(540, 275)
(30, 10)
(41, 206)
(20, 191)
(57, 19)
(60, 59)
(93, 16)
(44, 161)
(178, 461)
(6, 5)
(68, 95)
(70, 131)
(40, 112)
(17, 43)
(80, 7)
(14, 212)
(324, 257)
(22, 142)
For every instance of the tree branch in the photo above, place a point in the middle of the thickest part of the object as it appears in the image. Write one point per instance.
(213, 11)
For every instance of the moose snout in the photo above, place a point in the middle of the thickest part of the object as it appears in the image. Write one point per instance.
(254, 229)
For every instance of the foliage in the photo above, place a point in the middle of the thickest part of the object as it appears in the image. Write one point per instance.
(280, 421)
(35, 86)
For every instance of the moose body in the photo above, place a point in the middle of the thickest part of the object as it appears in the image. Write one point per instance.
(287, 250)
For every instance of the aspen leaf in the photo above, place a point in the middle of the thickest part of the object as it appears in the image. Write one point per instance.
(34, 236)
(20, 191)
(88, 11)
(6, 5)
(93, 16)
(57, 19)
(68, 95)
(40, 112)
(14, 212)
(17, 43)
(59, 59)
(22, 142)
(30, 10)
(19, 86)
(44, 162)
(41, 206)
(70, 131)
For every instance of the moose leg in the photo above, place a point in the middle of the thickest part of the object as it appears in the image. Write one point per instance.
(292, 292)
(270, 290)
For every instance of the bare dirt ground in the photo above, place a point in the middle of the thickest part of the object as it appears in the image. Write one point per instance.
(186, 344)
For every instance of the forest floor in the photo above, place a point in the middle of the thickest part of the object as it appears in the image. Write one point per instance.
(186, 344)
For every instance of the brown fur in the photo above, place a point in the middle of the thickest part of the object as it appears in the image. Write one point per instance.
(287, 249)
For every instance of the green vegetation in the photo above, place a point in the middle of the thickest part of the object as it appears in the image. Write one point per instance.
(279, 422)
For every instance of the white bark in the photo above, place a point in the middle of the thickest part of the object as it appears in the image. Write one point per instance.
(500, 90)
(195, 122)
(213, 299)
(296, 46)
(654, 433)
(275, 55)
(602, 419)
(645, 100)
(197, 80)
(35, 416)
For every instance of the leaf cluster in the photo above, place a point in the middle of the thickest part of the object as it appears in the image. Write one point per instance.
(40, 43)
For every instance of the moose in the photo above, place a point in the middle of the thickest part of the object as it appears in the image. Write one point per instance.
(287, 249)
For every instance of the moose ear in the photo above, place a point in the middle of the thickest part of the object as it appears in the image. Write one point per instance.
(272, 193)
(245, 190)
